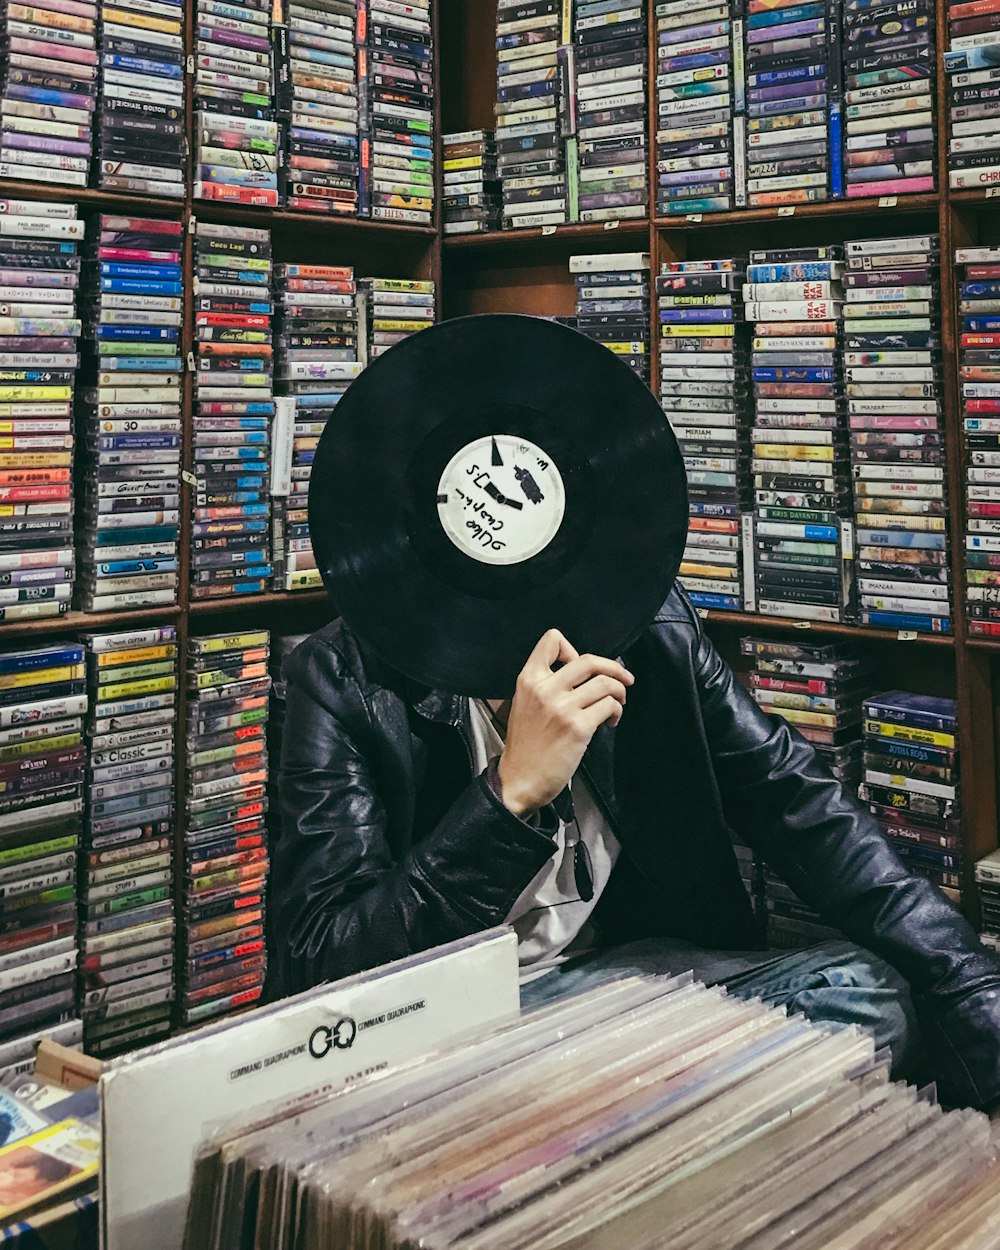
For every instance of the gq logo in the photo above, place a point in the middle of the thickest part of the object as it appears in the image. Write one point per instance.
(323, 1038)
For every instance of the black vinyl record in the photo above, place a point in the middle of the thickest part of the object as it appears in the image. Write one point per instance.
(486, 480)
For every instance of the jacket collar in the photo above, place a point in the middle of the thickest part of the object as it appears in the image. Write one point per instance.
(435, 705)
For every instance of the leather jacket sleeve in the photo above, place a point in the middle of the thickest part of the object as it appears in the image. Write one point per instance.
(347, 893)
(779, 796)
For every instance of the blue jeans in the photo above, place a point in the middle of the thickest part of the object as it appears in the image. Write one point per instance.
(833, 983)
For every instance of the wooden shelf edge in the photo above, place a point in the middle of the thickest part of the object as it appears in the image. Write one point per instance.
(751, 620)
(50, 192)
(242, 215)
(983, 644)
(241, 603)
(922, 203)
(495, 239)
(91, 622)
(977, 196)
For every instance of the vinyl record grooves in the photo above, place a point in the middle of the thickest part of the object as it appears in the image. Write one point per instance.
(486, 480)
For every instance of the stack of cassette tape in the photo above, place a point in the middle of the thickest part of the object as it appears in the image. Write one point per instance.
(704, 369)
(396, 81)
(142, 142)
(316, 79)
(972, 65)
(48, 52)
(610, 48)
(612, 304)
(911, 782)
(818, 689)
(988, 894)
(471, 202)
(979, 372)
(39, 355)
(390, 310)
(529, 117)
(42, 754)
(895, 401)
(701, 103)
(234, 406)
(793, 63)
(237, 138)
(131, 415)
(127, 875)
(225, 839)
(890, 65)
(317, 360)
(281, 649)
(801, 468)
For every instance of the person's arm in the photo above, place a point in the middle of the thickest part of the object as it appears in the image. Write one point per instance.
(781, 798)
(338, 900)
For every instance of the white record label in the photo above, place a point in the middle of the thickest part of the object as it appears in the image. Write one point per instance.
(501, 499)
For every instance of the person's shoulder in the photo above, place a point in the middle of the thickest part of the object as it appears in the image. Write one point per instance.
(677, 612)
(330, 656)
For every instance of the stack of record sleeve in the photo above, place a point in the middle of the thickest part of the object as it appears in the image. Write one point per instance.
(647, 1113)
(131, 415)
(471, 201)
(701, 100)
(234, 405)
(42, 755)
(39, 341)
(390, 310)
(800, 460)
(48, 60)
(612, 304)
(317, 359)
(316, 94)
(396, 84)
(141, 145)
(225, 843)
(889, 80)
(529, 118)
(127, 872)
(972, 66)
(793, 65)
(979, 357)
(988, 892)
(895, 401)
(236, 132)
(818, 690)
(704, 374)
(610, 70)
(911, 782)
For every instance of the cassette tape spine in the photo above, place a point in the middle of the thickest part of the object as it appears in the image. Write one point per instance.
(471, 200)
(612, 299)
(233, 412)
(395, 123)
(127, 880)
(42, 767)
(978, 275)
(390, 310)
(141, 136)
(130, 414)
(225, 839)
(705, 393)
(894, 394)
(318, 356)
(972, 73)
(800, 459)
(39, 368)
(238, 142)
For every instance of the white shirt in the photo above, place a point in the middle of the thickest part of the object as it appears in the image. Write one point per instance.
(549, 915)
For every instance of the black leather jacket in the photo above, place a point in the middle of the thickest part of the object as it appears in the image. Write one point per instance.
(390, 845)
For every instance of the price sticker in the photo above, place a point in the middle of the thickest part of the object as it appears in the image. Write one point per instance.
(612, 225)
(786, 210)
(992, 192)
(190, 362)
(547, 230)
(703, 613)
(693, 217)
(189, 477)
(887, 201)
(802, 624)
(192, 224)
(907, 635)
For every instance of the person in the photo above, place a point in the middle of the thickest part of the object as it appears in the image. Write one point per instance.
(26, 1174)
(594, 811)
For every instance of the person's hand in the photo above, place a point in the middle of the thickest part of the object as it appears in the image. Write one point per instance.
(553, 717)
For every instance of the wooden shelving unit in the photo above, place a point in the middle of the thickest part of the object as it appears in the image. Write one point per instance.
(527, 271)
